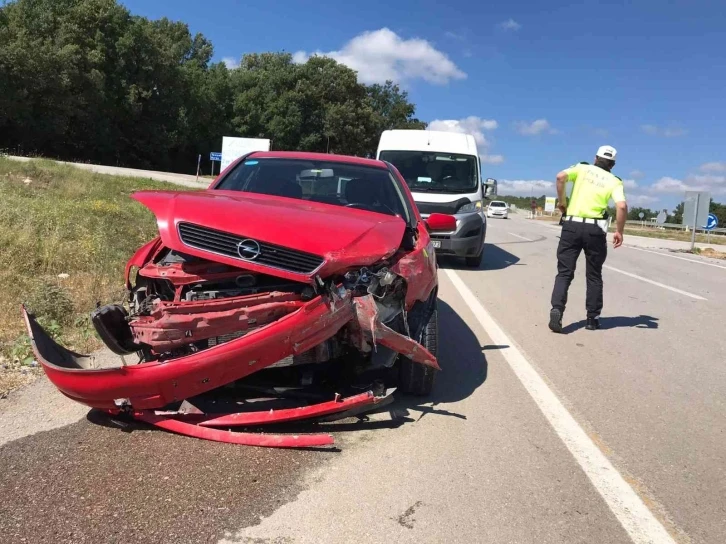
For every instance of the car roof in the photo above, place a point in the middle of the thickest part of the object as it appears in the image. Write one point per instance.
(306, 156)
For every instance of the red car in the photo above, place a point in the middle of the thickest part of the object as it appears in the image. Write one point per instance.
(302, 269)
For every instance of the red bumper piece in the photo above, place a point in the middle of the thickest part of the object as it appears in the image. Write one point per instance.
(244, 439)
(291, 414)
(155, 384)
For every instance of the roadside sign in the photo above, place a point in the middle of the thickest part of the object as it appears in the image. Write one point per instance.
(711, 222)
(662, 216)
(233, 148)
(215, 156)
(700, 200)
(695, 211)
(641, 215)
(550, 204)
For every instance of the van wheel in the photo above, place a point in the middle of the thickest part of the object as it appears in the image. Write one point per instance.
(415, 378)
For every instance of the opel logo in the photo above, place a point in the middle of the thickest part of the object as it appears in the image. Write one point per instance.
(248, 250)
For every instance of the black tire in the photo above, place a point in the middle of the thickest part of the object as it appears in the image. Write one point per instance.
(415, 378)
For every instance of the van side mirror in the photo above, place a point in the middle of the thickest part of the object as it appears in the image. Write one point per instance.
(440, 222)
(489, 188)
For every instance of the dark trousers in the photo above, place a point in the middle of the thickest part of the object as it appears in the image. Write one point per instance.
(575, 238)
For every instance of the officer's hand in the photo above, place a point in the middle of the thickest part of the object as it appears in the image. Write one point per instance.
(617, 239)
(562, 209)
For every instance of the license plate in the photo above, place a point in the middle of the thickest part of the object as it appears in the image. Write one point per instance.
(436, 243)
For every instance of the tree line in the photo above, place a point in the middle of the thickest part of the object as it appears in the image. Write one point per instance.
(86, 80)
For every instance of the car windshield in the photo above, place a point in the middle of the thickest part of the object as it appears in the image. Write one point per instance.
(433, 172)
(328, 182)
(498, 204)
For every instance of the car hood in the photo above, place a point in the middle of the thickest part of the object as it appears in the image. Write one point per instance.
(342, 237)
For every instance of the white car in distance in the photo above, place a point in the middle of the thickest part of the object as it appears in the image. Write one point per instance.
(497, 208)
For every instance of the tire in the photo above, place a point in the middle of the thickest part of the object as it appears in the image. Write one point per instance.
(415, 378)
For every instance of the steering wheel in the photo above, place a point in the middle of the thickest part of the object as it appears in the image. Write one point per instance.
(361, 205)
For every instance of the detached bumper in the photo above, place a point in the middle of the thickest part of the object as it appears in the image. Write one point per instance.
(466, 241)
(156, 384)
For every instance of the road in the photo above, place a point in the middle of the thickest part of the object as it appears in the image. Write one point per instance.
(609, 436)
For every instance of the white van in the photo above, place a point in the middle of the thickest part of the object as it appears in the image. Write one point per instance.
(443, 171)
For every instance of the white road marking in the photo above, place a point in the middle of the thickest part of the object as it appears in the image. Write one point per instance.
(629, 509)
(675, 257)
(522, 237)
(641, 278)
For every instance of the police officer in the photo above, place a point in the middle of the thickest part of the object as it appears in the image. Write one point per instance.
(584, 227)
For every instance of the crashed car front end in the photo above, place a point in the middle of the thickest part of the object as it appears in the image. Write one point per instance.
(208, 306)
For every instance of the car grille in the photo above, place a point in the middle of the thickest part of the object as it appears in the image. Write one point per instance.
(223, 243)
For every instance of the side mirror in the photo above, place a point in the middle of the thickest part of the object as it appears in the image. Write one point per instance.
(441, 222)
(489, 187)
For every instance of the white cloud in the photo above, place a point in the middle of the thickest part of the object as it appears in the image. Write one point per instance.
(671, 132)
(713, 167)
(630, 183)
(510, 24)
(535, 127)
(642, 200)
(231, 62)
(668, 185)
(382, 54)
(300, 57)
(637, 174)
(492, 159)
(526, 187)
(469, 125)
(454, 35)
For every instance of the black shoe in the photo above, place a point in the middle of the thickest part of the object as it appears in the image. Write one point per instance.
(593, 323)
(555, 320)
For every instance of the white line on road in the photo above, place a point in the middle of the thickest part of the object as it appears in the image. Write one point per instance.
(634, 516)
(675, 257)
(641, 278)
(522, 237)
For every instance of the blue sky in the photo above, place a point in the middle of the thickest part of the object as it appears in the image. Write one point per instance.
(541, 84)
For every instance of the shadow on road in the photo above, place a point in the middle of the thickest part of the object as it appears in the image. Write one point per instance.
(620, 322)
(494, 258)
(463, 368)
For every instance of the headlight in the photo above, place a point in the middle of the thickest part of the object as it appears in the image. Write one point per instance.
(470, 207)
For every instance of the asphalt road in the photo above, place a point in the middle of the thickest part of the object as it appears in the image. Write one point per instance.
(614, 435)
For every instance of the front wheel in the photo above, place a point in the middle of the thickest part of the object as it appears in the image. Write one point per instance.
(415, 378)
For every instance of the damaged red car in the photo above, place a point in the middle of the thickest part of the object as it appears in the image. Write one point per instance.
(292, 273)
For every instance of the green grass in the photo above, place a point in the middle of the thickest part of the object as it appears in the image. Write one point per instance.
(64, 221)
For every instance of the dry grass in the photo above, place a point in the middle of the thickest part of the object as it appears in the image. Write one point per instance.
(710, 252)
(57, 220)
(675, 235)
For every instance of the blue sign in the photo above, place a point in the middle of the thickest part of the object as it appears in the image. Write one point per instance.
(711, 222)
(215, 157)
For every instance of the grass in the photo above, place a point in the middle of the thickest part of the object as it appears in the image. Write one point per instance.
(65, 237)
(675, 235)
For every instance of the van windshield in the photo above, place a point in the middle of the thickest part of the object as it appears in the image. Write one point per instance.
(432, 172)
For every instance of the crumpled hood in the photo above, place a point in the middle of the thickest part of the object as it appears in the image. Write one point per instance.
(343, 237)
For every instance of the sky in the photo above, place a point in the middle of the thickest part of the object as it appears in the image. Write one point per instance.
(541, 85)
